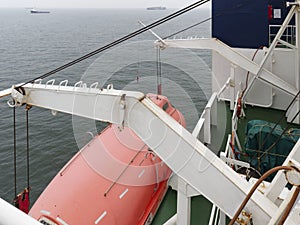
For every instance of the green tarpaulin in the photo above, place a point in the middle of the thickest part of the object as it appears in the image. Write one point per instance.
(265, 149)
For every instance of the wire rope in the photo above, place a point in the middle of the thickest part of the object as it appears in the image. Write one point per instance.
(120, 40)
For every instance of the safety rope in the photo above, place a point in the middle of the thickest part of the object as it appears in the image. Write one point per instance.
(281, 118)
(187, 28)
(158, 67)
(259, 151)
(15, 151)
(27, 146)
(21, 200)
(269, 153)
(120, 40)
(278, 139)
(123, 171)
(237, 6)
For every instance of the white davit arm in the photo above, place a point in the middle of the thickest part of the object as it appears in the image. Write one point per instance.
(234, 57)
(10, 215)
(179, 149)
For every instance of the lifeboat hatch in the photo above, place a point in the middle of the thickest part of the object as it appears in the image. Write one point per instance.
(46, 221)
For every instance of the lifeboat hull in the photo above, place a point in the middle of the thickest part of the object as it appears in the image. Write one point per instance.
(114, 179)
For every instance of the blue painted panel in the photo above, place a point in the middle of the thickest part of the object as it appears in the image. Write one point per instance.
(241, 23)
(281, 6)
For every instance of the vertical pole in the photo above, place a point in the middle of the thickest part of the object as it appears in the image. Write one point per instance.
(183, 204)
(295, 107)
(272, 47)
(222, 220)
(297, 80)
(232, 85)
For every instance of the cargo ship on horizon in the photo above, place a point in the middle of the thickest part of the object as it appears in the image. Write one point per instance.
(157, 8)
(38, 11)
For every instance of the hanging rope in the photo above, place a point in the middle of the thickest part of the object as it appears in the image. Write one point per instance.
(15, 151)
(21, 201)
(120, 40)
(27, 145)
(158, 68)
(135, 33)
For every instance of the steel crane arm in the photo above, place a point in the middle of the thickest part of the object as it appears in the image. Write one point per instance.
(10, 215)
(179, 149)
(233, 56)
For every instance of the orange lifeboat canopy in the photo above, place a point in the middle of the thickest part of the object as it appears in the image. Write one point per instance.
(164, 103)
(114, 179)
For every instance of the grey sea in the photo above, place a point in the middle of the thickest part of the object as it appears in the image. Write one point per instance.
(34, 44)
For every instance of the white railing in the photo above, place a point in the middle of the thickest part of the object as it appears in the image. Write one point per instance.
(228, 156)
(217, 217)
(208, 117)
(288, 36)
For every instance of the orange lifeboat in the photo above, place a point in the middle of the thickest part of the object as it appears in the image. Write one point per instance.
(114, 179)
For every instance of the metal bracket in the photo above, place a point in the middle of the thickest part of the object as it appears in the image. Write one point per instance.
(245, 218)
(122, 111)
(296, 3)
(17, 96)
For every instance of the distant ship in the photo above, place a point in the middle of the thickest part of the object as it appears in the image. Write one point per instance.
(38, 11)
(157, 8)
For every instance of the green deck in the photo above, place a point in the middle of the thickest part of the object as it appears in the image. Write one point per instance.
(200, 209)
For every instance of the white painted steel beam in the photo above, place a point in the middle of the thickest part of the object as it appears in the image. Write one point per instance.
(273, 45)
(193, 162)
(234, 57)
(172, 220)
(10, 215)
(279, 181)
(183, 204)
(93, 103)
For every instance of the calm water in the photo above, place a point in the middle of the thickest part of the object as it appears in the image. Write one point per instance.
(31, 45)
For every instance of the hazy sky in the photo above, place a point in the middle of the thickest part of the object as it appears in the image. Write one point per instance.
(93, 3)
